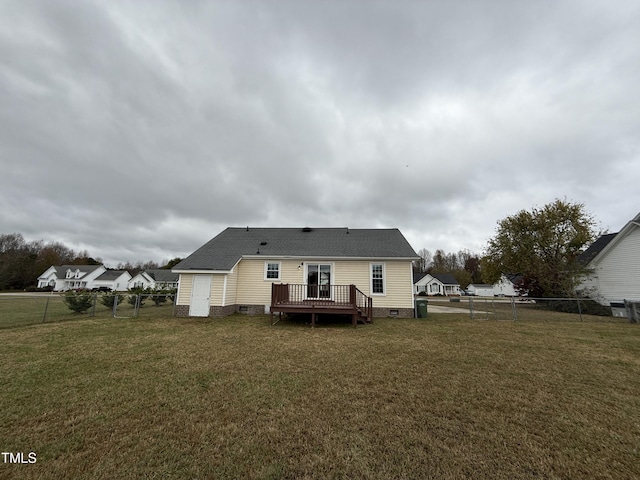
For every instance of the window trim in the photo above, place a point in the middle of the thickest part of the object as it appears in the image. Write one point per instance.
(384, 279)
(266, 271)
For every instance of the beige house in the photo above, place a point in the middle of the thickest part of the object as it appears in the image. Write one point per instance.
(236, 271)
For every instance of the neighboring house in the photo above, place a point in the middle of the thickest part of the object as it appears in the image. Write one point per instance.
(437, 284)
(614, 263)
(418, 283)
(68, 277)
(156, 278)
(235, 271)
(480, 290)
(116, 280)
(508, 285)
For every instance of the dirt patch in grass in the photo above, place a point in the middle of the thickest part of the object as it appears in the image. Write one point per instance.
(235, 398)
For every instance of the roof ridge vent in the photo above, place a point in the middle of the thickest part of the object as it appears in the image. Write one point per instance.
(306, 229)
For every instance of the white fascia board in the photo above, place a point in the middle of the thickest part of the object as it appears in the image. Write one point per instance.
(635, 223)
(47, 273)
(208, 272)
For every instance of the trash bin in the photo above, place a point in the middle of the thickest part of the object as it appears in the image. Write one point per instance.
(421, 306)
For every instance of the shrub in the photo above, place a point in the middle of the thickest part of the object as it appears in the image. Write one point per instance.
(108, 299)
(79, 302)
(158, 297)
(133, 297)
(587, 306)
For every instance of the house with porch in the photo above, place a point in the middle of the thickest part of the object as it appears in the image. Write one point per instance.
(437, 284)
(155, 278)
(72, 277)
(69, 277)
(361, 272)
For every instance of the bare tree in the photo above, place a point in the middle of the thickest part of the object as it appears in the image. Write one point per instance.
(425, 260)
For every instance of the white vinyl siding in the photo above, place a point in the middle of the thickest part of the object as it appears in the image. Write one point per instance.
(617, 275)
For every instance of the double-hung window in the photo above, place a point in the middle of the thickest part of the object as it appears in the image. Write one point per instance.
(377, 279)
(272, 271)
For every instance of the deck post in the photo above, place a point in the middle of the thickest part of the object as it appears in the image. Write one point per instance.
(352, 296)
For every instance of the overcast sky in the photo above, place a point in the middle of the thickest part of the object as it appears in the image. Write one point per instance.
(139, 130)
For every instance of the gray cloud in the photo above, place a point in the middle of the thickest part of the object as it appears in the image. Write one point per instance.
(140, 130)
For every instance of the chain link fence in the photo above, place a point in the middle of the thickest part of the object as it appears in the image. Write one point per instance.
(28, 309)
(536, 309)
(32, 308)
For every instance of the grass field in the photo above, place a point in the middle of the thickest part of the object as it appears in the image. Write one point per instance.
(20, 310)
(444, 397)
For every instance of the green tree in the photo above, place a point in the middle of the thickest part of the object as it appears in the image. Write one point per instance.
(79, 302)
(171, 263)
(543, 245)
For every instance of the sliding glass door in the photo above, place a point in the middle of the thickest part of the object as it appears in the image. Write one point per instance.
(318, 280)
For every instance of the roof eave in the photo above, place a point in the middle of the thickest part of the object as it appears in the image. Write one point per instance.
(325, 257)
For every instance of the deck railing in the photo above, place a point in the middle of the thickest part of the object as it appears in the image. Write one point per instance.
(321, 295)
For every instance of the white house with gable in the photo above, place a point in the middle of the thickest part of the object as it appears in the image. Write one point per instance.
(68, 277)
(614, 263)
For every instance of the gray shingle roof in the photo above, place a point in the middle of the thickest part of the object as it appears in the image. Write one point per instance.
(162, 275)
(417, 276)
(445, 278)
(595, 248)
(223, 251)
(61, 270)
(110, 275)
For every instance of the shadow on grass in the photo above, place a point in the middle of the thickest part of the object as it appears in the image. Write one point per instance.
(322, 320)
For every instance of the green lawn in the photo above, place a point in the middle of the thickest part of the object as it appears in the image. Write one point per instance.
(445, 397)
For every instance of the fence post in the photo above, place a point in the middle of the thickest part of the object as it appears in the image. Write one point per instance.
(579, 310)
(46, 307)
(115, 304)
(514, 309)
(93, 308)
(632, 311)
(471, 312)
(136, 309)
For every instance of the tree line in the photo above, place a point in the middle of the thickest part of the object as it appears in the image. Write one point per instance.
(21, 262)
(542, 245)
(463, 265)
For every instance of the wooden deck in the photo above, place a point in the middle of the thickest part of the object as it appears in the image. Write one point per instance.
(321, 299)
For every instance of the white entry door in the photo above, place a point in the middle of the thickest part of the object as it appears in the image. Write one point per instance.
(200, 296)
